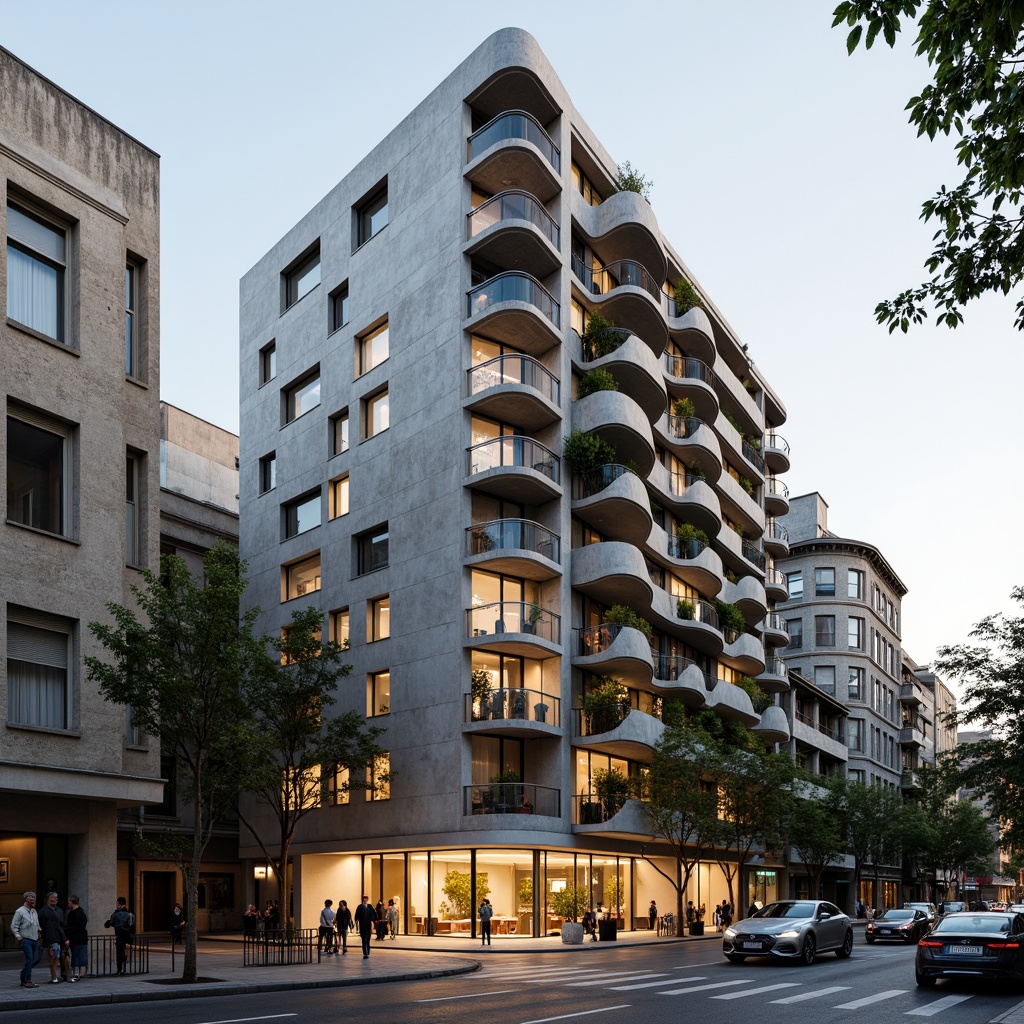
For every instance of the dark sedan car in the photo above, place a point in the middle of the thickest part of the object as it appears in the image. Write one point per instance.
(791, 929)
(973, 944)
(906, 925)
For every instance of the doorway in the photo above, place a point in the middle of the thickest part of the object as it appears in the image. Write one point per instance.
(157, 900)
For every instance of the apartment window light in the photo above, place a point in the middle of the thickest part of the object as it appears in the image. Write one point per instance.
(131, 341)
(372, 550)
(376, 414)
(372, 349)
(302, 396)
(302, 578)
(302, 278)
(38, 474)
(302, 514)
(340, 622)
(337, 497)
(380, 778)
(378, 619)
(378, 694)
(36, 265)
(268, 472)
(38, 661)
(339, 307)
(372, 214)
(268, 362)
(339, 433)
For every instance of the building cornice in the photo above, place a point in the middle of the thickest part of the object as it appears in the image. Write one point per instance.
(869, 552)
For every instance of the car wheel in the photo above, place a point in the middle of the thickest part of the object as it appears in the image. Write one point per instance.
(735, 958)
(847, 947)
(924, 981)
(807, 951)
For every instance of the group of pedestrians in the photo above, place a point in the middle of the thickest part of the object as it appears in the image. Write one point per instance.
(367, 919)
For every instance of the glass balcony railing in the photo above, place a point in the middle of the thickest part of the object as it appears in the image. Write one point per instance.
(698, 611)
(590, 809)
(603, 344)
(753, 456)
(685, 368)
(513, 617)
(512, 535)
(775, 578)
(685, 549)
(776, 488)
(679, 482)
(616, 275)
(683, 426)
(595, 639)
(777, 442)
(670, 667)
(775, 622)
(776, 531)
(513, 369)
(514, 451)
(513, 704)
(595, 723)
(753, 554)
(589, 484)
(514, 205)
(774, 666)
(515, 124)
(512, 798)
(514, 287)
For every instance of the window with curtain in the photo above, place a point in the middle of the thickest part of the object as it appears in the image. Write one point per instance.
(36, 261)
(37, 675)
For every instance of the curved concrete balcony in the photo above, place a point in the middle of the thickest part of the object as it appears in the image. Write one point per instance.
(774, 677)
(514, 147)
(609, 818)
(514, 467)
(617, 419)
(744, 507)
(512, 229)
(614, 650)
(776, 453)
(514, 627)
(773, 727)
(633, 365)
(518, 547)
(776, 497)
(633, 735)
(697, 626)
(623, 227)
(912, 736)
(678, 676)
(775, 588)
(733, 704)
(744, 652)
(502, 799)
(526, 714)
(614, 501)
(692, 379)
(692, 441)
(693, 332)
(691, 498)
(776, 634)
(612, 572)
(696, 564)
(514, 389)
(627, 294)
(515, 309)
(742, 405)
(748, 593)
(776, 538)
(740, 555)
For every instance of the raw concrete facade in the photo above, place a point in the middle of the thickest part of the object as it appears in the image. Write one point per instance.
(79, 453)
(410, 355)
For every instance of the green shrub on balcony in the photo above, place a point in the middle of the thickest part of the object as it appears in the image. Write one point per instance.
(605, 704)
(685, 608)
(584, 453)
(760, 700)
(747, 485)
(596, 380)
(683, 407)
(631, 180)
(686, 297)
(687, 532)
(613, 789)
(730, 616)
(623, 615)
(600, 337)
(697, 471)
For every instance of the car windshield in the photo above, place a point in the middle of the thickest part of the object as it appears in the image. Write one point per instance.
(787, 910)
(973, 923)
(898, 915)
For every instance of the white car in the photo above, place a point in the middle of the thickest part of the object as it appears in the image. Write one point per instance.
(790, 929)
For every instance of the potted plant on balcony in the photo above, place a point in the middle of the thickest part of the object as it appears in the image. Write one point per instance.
(686, 297)
(623, 615)
(605, 704)
(696, 471)
(683, 407)
(570, 903)
(480, 692)
(612, 789)
(692, 540)
(595, 380)
(600, 337)
(585, 453)
(533, 614)
(685, 608)
(507, 792)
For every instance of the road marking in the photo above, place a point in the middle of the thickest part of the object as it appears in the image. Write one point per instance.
(567, 974)
(472, 995)
(756, 991)
(238, 1020)
(701, 988)
(938, 1006)
(654, 984)
(618, 976)
(868, 1000)
(813, 995)
(584, 1013)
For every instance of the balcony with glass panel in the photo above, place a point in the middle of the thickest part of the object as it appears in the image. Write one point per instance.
(514, 308)
(613, 817)
(692, 620)
(623, 227)
(626, 732)
(689, 496)
(775, 585)
(614, 501)
(611, 649)
(513, 229)
(506, 798)
(774, 678)
(514, 147)
(513, 711)
(630, 361)
(514, 467)
(617, 419)
(627, 294)
(514, 388)
(521, 628)
(518, 547)
(776, 452)
(693, 442)
(694, 380)
(776, 633)
(692, 561)
(776, 538)
(776, 497)
(678, 676)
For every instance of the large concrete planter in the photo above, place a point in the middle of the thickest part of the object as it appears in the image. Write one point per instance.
(572, 933)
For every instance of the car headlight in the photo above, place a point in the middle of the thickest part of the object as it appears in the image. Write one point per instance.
(792, 933)
(730, 933)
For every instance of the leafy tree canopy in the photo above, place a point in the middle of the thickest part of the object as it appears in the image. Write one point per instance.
(975, 48)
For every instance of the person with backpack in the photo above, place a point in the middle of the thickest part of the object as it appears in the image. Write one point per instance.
(122, 920)
(486, 913)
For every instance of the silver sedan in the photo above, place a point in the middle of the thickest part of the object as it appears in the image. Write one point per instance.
(791, 929)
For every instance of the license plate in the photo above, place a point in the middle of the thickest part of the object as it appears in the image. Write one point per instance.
(751, 945)
(884, 931)
(966, 950)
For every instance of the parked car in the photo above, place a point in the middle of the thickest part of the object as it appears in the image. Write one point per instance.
(1017, 908)
(971, 943)
(792, 930)
(951, 907)
(906, 925)
(931, 911)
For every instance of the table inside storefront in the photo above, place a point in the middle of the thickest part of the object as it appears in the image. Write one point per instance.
(461, 926)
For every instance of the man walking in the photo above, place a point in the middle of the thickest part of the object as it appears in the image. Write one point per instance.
(326, 933)
(78, 936)
(343, 920)
(365, 918)
(51, 927)
(122, 920)
(25, 929)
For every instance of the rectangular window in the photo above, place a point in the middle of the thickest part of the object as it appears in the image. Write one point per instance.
(339, 307)
(302, 396)
(340, 627)
(795, 629)
(302, 279)
(337, 497)
(339, 433)
(824, 631)
(856, 684)
(37, 671)
(268, 363)
(131, 355)
(372, 215)
(132, 520)
(380, 778)
(795, 585)
(377, 414)
(825, 678)
(824, 583)
(372, 550)
(338, 789)
(268, 472)
(36, 262)
(378, 694)
(855, 631)
(302, 578)
(372, 349)
(378, 619)
(134, 735)
(856, 775)
(302, 514)
(855, 584)
(855, 731)
(38, 484)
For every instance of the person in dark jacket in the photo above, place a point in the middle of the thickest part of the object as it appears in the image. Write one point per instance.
(365, 916)
(75, 929)
(344, 924)
(52, 937)
(178, 923)
(122, 920)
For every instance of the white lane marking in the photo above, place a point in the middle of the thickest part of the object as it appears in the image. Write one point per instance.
(565, 973)
(532, 971)
(584, 1013)
(617, 976)
(813, 995)
(655, 984)
(868, 1000)
(756, 991)
(938, 1006)
(701, 988)
(238, 1020)
(472, 995)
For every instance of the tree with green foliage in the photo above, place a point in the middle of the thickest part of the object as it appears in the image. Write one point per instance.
(814, 831)
(584, 453)
(873, 819)
(631, 180)
(595, 380)
(458, 889)
(975, 48)
(182, 661)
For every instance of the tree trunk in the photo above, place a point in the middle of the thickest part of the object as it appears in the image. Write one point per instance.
(190, 876)
(680, 918)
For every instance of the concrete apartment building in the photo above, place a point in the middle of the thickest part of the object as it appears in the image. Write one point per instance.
(79, 456)
(410, 355)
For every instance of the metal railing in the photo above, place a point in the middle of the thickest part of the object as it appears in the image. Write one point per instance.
(513, 204)
(688, 368)
(682, 426)
(513, 617)
(513, 286)
(281, 948)
(670, 667)
(512, 798)
(699, 611)
(595, 639)
(776, 531)
(753, 456)
(774, 666)
(594, 723)
(515, 124)
(589, 484)
(103, 955)
(753, 554)
(775, 578)
(513, 451)
(512, 535)
(777, 443)
(513, 369)
(590, 809)
(685, 549)
(776, 488)
(602, 280)
(514, 704)
(678, 482)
